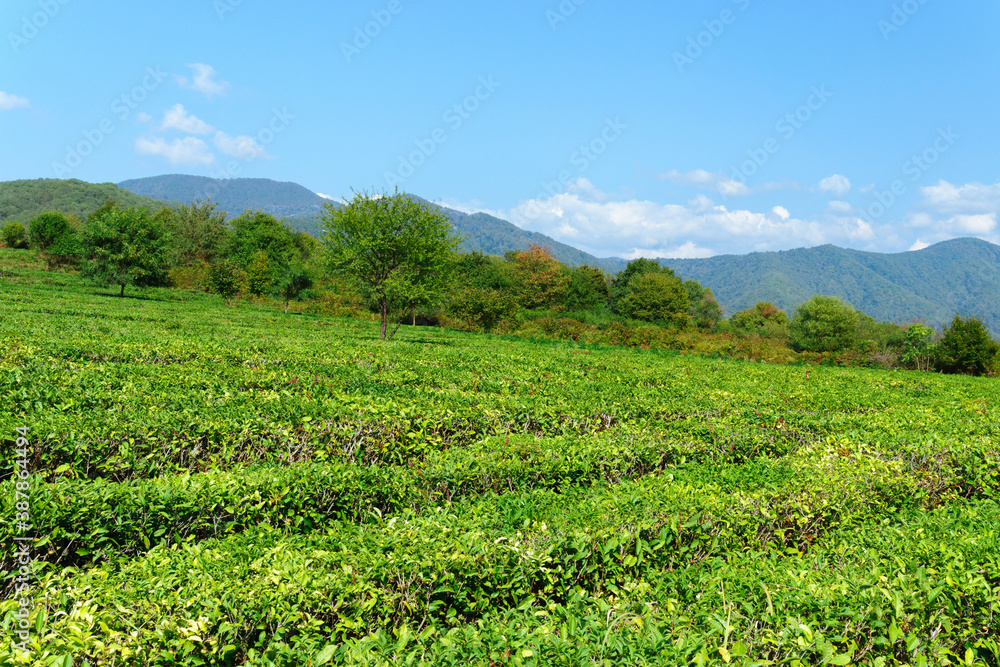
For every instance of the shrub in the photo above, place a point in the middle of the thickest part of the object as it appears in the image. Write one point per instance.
(824, 324)
(55, 238)
(657, 297)
(483, 309)
(759, 316)
(225, 277)
(14, 235)
(967, 348)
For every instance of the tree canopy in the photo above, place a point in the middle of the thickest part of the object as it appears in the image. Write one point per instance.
(125, 247)
(398, 252)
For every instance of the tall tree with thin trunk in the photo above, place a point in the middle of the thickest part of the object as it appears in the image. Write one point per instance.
(398, 252)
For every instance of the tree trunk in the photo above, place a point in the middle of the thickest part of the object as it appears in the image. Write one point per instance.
(414, 318)
(122, 293)
(385, 317)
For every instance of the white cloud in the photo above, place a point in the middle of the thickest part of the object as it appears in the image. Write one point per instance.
(204, 81)
(841, 207)
(973, 224)
(244, 146)
(698, 229)
(919, 245)
(187, 151)
(837, 184)
(177, 118)
(699, 178)
(143, 117)
(781, 212)
(320, 194)
(8, 102)
(969, 199)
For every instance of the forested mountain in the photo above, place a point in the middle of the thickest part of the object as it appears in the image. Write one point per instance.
(20, 201)
(233, 195)
(961, 275)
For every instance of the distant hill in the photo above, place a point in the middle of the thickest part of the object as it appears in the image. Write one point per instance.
(961, 275)
(20, 201)
(233, 195)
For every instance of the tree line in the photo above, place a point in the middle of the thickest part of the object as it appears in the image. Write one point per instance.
(398, 258)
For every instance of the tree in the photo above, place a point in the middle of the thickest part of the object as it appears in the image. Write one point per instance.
(198, 232)
(704, 310)
(398, 252)
(967, 347)
(657, 297)
(14, 235)
(225, 278)
(588, 287)
(293, 284)
(759, 316)
(258, 277)
(541, 280)
(919, 349)
(622, 281)
(256, 230)
(824, 324)
(125, 247)
(483, 309)
(55, 238)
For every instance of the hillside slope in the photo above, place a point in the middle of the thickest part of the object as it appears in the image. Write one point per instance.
(20, 201)
(235, 195)
(961, 275)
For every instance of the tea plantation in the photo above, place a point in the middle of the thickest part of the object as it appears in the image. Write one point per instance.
(228, 486)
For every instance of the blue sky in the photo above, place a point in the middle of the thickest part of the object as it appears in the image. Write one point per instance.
(631, 128)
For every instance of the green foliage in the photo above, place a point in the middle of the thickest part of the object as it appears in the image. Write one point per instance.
(125, 247)
(258, 276)
(21, 201)
(967, 347)
(588, 288)
(758, 316)
(398, 252)
(824, 324)
(218, 487)
(55, 239)
(198, 233)
(622, 282)
(14, 235)
(226, 278)
(481, 271)
(919, 348)
(293, 284)
(704, 310)
(484, 309)
(255, 231)
(657, 296)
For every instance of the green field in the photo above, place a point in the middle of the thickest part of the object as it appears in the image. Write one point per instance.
(220, 486)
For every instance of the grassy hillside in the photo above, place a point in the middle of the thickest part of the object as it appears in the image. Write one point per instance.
(20, 201)
(220, 486)
(962, 275)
